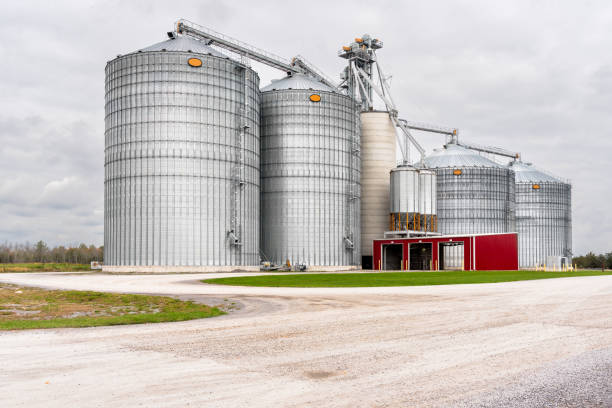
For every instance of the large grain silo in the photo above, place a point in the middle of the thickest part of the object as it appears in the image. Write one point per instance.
(475, 194)
(378, 158)
(543, 216)
(310, 175)
(181, 160)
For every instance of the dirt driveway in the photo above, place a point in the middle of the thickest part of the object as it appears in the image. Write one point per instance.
(525, 344)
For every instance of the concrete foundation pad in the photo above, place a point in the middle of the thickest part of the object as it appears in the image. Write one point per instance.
(212, 269)
(332, 268)
(177, 269)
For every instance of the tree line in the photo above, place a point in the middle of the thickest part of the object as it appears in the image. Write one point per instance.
(41, 252)
(592, 261)
(83, 254)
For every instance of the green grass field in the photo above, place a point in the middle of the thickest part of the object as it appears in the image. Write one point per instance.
(33, 308)
(351, 280)
(43, 267)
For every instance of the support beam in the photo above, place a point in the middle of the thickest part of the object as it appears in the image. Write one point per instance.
(360, 84)
(410, 137)
(388, 102)
(454, 132)
(426, 127)
(307, 67)
(393, 115)
(490, 149)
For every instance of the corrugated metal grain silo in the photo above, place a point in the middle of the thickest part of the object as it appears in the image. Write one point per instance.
(404, 199)
(543, 215)
(427, 200)
(413, 199)
(310, 174)
(181, 159)
(475, 194)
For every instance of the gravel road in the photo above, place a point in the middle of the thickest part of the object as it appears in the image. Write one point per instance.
(545, 343)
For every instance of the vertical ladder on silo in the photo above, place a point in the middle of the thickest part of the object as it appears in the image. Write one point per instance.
(238, 171)
(351, 212)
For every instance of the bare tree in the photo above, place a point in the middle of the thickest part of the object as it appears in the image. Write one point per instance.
(40, 252)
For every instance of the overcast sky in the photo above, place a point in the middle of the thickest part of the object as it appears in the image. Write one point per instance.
(531, 78)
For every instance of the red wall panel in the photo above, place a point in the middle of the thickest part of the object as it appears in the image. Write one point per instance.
(491, 252)
(496, 252)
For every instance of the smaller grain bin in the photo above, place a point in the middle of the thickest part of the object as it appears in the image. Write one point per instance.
(404, 199)
(475, 195)
(543, 216)
(412, 199)
(427, 200)
(310, 175)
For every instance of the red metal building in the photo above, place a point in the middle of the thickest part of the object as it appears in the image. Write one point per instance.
(472, 252)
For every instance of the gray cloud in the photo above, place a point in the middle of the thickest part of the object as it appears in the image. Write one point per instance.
(534, 77)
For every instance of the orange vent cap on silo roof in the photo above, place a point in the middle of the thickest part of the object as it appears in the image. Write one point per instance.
(194, 62)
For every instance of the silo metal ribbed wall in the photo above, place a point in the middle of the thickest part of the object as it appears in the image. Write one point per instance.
(175, 149)
(404, 190)
(428, 200)
(310, 176)
(475, 195)
(412, 199)
(480, 200)
(543, 216)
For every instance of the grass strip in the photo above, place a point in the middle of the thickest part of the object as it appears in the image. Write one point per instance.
(43, 267)
(33, 308)
(351, 280)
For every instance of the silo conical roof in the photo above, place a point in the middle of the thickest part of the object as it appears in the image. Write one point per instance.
(526, 173)
(185, 44)
(453, 155)
(297, 81)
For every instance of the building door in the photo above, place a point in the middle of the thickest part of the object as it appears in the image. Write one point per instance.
(420, 256)
(451, 256)
(392, 257)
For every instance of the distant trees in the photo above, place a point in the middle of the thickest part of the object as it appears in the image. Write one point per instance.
(592, 261)
(40, 252)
